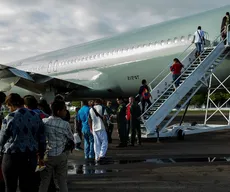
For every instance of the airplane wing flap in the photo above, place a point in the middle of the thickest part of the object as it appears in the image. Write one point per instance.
(16, 72)
(21, 74)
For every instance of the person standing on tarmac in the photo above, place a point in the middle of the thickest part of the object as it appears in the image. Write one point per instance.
(121, 123)
(135, 113)
(97, 127)
(83, 115)
(110, 113)
(128, 116)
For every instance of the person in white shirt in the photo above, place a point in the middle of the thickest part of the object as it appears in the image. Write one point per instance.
(97, 115)
(198, 39)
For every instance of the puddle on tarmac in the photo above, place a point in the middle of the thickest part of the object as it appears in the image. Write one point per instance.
(93, 168)
(88, 170)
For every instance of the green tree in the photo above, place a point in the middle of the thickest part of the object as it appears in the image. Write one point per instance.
(76, 103)
(198, 100)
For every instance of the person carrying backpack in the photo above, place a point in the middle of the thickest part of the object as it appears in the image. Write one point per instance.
(144, 95)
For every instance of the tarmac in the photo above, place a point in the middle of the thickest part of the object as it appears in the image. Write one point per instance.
(199, 163)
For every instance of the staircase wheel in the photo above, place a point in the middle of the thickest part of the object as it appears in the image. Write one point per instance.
(180, 135)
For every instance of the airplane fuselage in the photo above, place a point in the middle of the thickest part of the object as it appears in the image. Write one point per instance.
(115, 66)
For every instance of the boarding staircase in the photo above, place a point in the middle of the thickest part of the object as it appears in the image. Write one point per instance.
(165, 97)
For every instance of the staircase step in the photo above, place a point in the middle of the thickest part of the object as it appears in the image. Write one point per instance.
(166, 91)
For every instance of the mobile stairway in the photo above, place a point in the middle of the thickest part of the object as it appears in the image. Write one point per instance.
(196, 74)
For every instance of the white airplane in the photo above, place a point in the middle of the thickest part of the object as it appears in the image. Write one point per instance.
(113, 66)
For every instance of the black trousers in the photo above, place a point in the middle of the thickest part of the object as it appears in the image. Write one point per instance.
(128, 129)
(19, 166)
(135, 130)
(143, 101)
(109, 133)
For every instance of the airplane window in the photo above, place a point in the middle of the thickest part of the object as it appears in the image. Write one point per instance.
(151, 44)
(182, 39)
(169, 41)
(175, 40)
(190, 37)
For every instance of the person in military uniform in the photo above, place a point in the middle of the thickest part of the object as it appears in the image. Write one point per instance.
(110, 113)
(135, 113)
(121, 122)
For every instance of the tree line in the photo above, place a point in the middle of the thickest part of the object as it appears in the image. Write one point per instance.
(219, 98)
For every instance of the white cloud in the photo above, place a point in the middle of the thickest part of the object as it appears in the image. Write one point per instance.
(33, 27)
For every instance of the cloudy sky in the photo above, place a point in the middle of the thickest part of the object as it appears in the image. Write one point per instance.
(31, 27)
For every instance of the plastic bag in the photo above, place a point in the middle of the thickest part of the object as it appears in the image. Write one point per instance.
(77, 139)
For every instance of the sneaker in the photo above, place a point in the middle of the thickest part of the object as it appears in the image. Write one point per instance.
(78, 149)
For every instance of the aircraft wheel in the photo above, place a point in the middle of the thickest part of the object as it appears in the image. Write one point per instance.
(180, 135)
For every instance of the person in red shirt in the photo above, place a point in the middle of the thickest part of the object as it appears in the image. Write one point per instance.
(176, 71)
(128, 115)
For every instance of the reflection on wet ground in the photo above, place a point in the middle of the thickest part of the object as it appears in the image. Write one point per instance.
(91, 167)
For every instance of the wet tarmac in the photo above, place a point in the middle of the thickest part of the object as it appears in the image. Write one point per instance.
(199, 163)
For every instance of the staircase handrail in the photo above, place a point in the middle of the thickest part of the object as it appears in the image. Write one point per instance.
(206, 34)
(228, 30)
(178, 78)
(167, 68)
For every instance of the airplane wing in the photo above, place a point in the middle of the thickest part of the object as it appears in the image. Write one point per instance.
(37, 83)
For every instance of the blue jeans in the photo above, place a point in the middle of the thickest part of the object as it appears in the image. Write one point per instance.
(198, 48)
(88, 144)
(177, 82)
